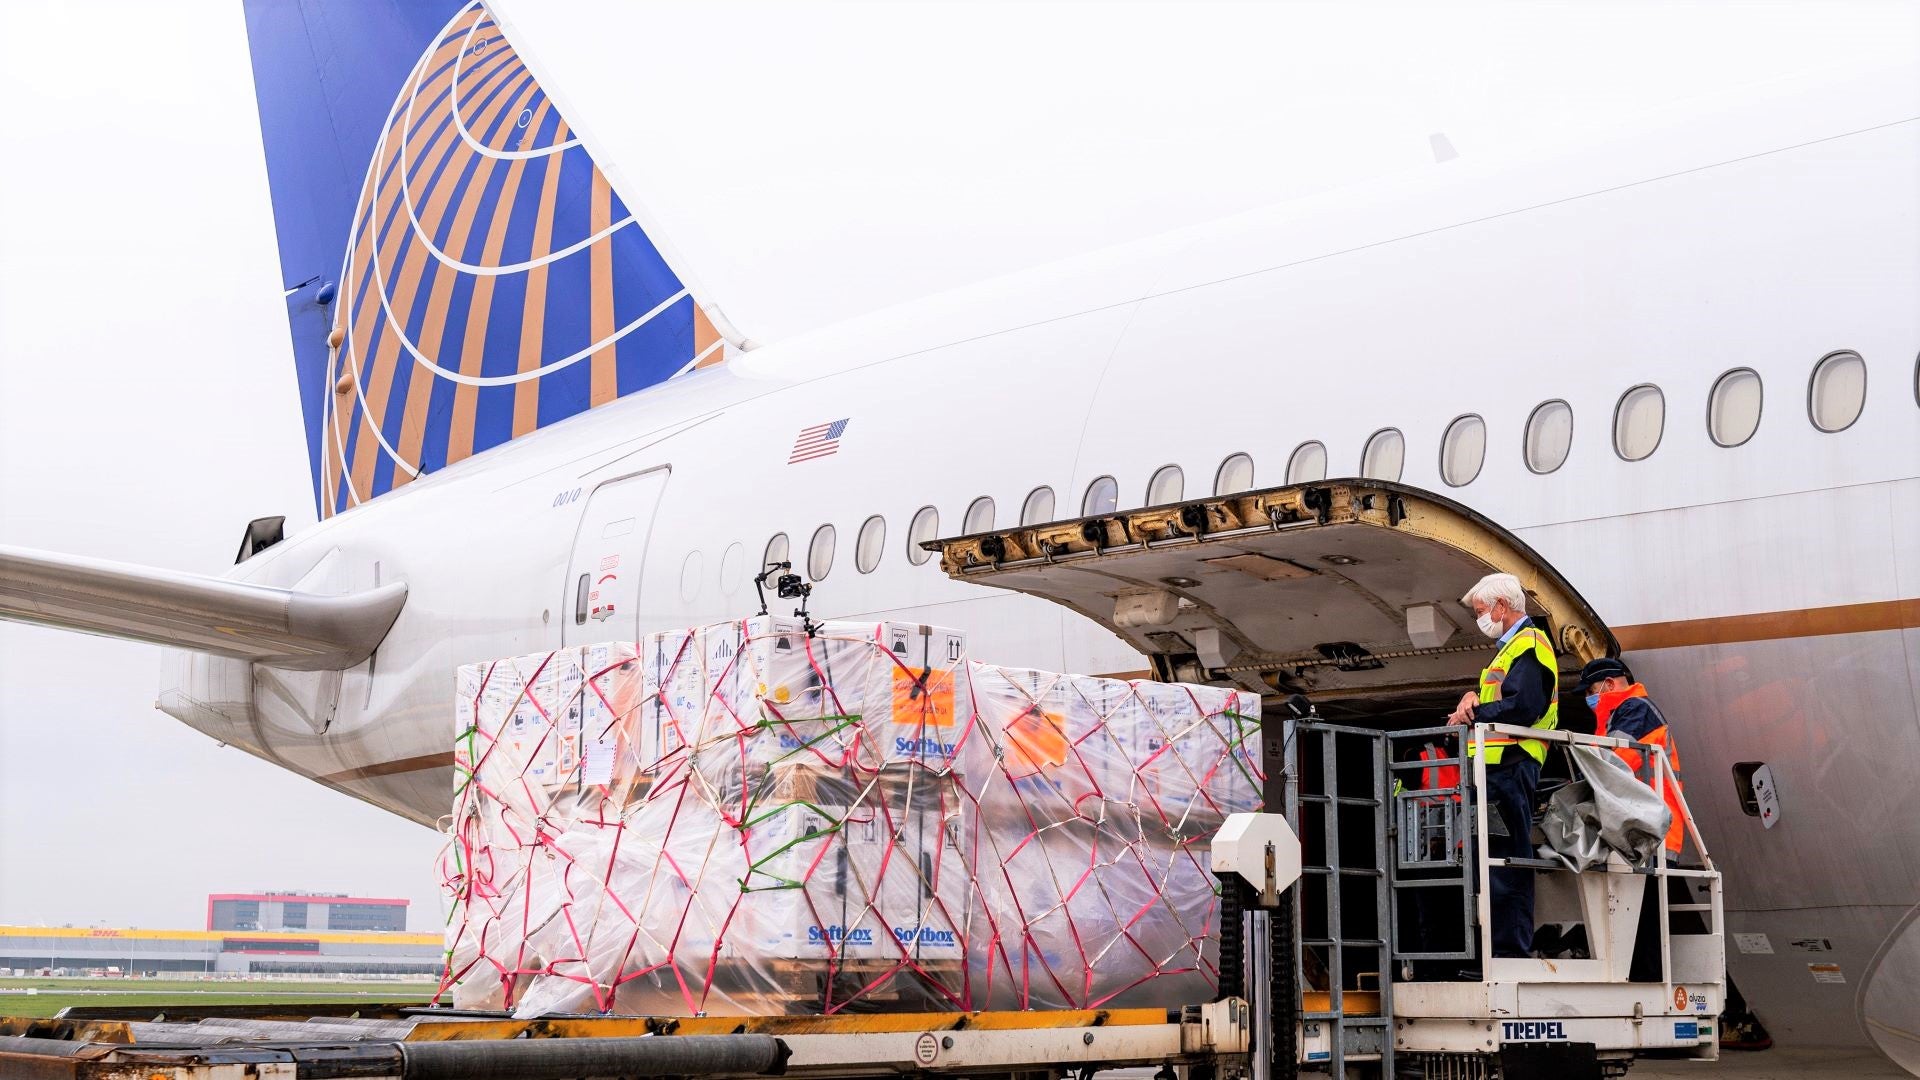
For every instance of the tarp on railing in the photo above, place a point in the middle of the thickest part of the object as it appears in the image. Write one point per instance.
(1609, 809)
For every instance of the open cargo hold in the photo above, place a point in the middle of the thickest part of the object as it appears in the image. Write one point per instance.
(748, 819)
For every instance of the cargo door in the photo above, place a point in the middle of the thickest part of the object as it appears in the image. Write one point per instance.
(603, 583)
(1346, 589)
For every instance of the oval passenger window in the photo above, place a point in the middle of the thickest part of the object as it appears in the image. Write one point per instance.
(690, 577)
(1638, 421)
(776, 551)
(1167, 485)
(979, 517)
(1038, 508)
(733, 565)
(1235, 475)
(867, 548)
(925, 526)
(1838, 391)
(1463, 449)
(820, 553)
(1308, 464)
(1103, 497)
(1733, 410)
(1549, 436)
(1385, 456)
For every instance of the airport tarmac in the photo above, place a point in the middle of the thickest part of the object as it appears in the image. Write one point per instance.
(1777, 1064)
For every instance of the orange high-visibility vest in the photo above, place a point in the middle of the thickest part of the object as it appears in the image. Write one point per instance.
(1435, 777)
(1659, 736)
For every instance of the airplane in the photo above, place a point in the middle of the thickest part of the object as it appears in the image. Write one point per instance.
(1675, 372)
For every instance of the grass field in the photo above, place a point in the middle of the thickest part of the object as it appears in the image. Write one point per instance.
(48, 996)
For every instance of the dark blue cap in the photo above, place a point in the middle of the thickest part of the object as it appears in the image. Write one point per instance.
(1606, 667)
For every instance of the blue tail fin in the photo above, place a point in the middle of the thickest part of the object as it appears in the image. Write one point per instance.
(459, 271)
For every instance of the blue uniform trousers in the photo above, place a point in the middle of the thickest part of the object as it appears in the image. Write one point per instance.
(1510, 788)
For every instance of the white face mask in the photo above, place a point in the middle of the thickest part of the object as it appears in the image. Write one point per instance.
(1488, 624)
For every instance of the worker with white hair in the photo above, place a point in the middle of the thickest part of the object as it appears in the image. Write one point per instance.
(1518, 688)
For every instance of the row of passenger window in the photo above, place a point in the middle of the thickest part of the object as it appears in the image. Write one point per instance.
(871, 541)
(1836, 395)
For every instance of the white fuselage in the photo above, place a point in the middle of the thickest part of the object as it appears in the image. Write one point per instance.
(1766, 240)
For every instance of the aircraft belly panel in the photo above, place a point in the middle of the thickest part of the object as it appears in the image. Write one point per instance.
(1806, 989)
(1826, 889)
(1834, 718)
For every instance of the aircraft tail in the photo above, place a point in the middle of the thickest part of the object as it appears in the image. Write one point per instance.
(459, 271)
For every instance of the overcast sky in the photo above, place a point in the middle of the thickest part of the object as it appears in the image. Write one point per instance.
(810, 161)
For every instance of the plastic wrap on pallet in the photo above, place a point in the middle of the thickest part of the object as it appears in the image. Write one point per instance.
(1094, 800)
(757, 821)
(517, 722)
(754, 820)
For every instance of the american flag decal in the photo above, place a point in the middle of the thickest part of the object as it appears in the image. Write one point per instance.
(818, 441)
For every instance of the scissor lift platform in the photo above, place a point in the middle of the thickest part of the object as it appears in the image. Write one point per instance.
(1375, 834)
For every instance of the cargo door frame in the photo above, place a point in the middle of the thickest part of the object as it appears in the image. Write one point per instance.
(1343, 588)
(578, 586)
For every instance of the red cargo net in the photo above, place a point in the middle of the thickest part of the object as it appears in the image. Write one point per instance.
(746, 819)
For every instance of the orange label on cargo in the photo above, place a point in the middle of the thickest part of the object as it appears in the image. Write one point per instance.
(922, 697)
(1036, 741)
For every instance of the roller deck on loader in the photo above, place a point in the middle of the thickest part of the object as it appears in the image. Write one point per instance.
(1341, 593)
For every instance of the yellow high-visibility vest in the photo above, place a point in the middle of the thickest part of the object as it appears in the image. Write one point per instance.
(1526, 639)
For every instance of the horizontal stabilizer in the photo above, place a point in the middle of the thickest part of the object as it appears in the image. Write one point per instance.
(280, 628)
